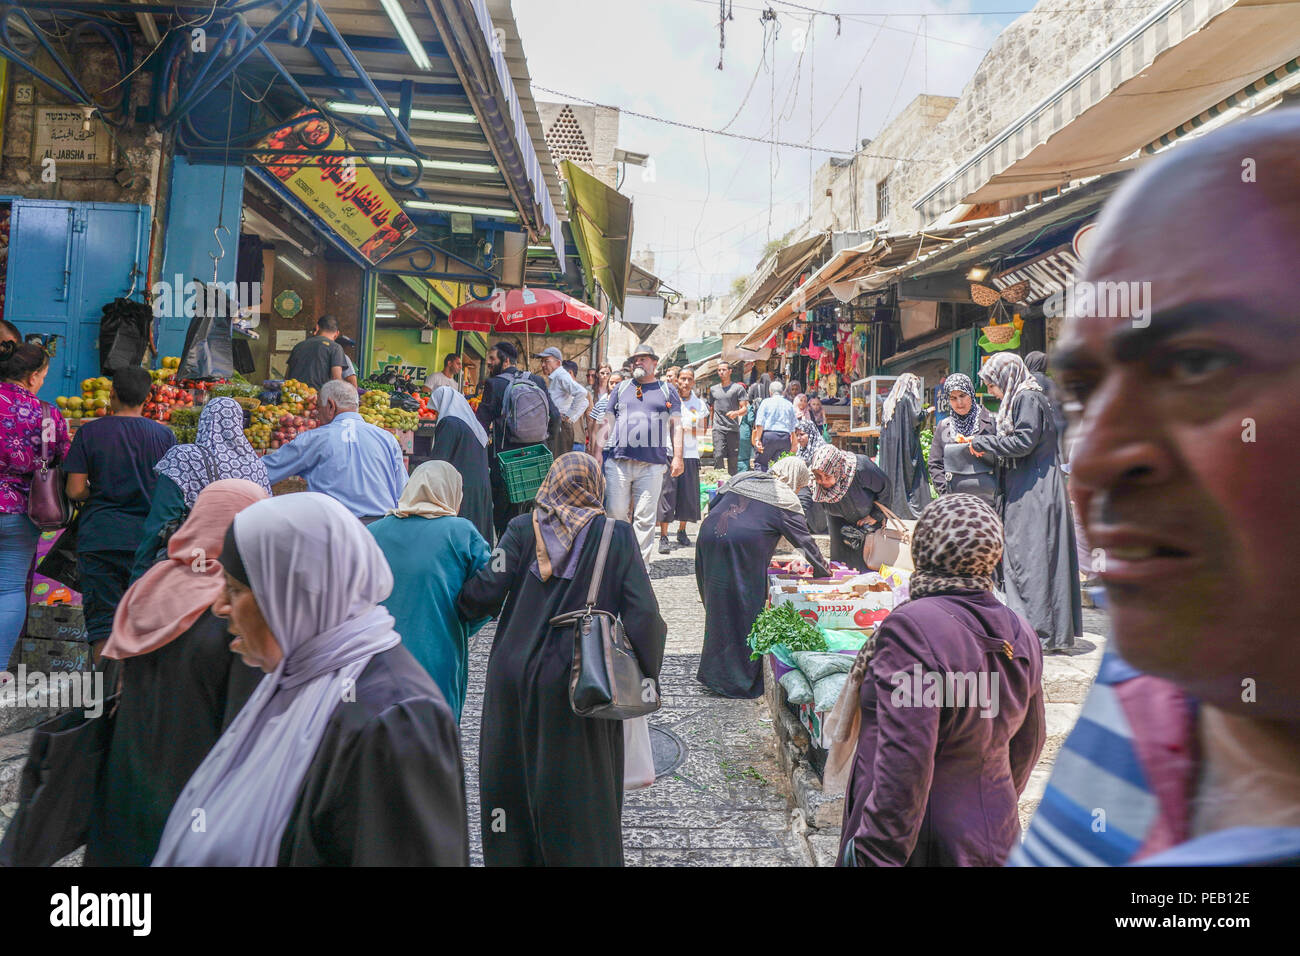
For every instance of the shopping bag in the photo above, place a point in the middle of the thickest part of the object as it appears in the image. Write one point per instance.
(638, 757)
(60, 564)
(59, 787)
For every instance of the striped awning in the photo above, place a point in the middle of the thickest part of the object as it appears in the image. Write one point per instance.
(1183, 59)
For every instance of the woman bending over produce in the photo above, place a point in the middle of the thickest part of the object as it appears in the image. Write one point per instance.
(735, 545)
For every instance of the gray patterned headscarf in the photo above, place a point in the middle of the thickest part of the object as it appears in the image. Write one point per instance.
(962, 424)
(1007, 371)
(220, 450)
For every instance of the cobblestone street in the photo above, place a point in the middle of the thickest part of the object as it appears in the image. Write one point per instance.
(724, 806)
(727, 804)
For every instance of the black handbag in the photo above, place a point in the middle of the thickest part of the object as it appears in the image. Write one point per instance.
(606, 680)
(852, 537)
(59, 787)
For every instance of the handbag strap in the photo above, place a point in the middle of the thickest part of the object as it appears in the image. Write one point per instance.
(606, 535)
(47, 425)
(889, 514)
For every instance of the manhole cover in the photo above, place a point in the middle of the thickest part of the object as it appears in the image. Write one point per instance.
(669, 750)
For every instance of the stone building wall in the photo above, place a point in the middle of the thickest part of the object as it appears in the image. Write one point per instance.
(1027, 61)
(934, 135)
(585, 135)
(141, 156)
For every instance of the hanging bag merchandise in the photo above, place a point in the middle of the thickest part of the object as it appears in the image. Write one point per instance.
(48, 505)
(606, 680)
(890, 544)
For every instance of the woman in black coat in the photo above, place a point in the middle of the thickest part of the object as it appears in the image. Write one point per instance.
(551, 782)
(181, 686)
(847, 486)
(967, 420)
(750, 514)
(460, 440)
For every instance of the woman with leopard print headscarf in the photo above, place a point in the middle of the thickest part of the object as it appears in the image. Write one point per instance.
(952, 718)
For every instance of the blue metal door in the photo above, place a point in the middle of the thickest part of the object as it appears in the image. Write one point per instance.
(66, 261)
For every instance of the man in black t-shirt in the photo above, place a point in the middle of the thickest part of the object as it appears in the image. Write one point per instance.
(110, 468)
(320, 358)
(728, 403)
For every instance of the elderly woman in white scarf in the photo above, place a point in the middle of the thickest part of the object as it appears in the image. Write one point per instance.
(346, 754)
(1040, 566)
(432, 553)
(737, 540)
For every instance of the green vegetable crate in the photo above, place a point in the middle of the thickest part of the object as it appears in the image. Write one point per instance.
(523, 470)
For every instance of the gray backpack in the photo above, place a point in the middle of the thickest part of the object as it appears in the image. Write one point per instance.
(525, 411)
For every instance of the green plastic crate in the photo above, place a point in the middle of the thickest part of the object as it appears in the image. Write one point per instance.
(523, 470)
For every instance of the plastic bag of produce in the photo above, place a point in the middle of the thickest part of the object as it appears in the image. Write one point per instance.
(797, 688)
(827, 690)
(817, 664)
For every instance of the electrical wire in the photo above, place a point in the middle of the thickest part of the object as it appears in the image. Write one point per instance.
(716, 132)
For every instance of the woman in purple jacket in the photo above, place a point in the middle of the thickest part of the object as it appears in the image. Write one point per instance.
(952, 707)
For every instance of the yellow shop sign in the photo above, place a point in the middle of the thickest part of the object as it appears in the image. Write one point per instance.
(342, 190)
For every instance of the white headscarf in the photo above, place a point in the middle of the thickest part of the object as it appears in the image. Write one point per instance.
(1007, 371)
(907, 382)
(434, 490)
(449, 403)
(318, 577)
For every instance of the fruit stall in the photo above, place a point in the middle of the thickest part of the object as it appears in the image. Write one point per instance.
(811, 631)
(275, 413)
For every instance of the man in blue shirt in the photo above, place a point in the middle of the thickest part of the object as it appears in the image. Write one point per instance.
(773, 428)
(356, 463)
(645, 423)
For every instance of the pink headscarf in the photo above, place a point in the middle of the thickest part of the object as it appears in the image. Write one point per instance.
(173, 594)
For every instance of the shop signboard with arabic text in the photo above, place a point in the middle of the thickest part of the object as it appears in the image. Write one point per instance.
(341, 190)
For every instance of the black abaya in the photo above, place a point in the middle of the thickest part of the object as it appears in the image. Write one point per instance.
(551, 782)
(175, 703)
(733, 550)
(387, 785)
(903, 461)
(1039, 563)
(455, 443)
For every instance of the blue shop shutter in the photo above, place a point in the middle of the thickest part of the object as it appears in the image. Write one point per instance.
(67, 260)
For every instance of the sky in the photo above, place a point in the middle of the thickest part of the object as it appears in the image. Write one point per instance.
(708, 204)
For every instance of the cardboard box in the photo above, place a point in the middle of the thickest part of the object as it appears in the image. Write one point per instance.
(814, 721)
(841, 613)
(48, 656)
(56, 622)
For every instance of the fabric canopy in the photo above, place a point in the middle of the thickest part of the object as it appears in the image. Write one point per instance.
(601, 220)
(536, 311)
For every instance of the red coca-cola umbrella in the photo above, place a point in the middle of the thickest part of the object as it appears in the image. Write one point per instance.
(535, 311)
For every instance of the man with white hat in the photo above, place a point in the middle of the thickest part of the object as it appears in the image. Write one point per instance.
(645, 433)
(569, 397)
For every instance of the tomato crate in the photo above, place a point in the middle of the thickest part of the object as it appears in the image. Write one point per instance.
(523, 470)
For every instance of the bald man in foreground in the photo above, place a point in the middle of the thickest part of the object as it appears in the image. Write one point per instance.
(1183, 469)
